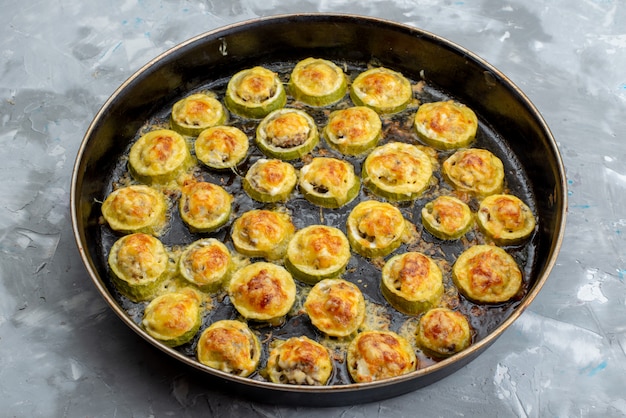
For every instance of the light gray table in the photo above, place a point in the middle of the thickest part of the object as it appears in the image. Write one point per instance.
(64, 353)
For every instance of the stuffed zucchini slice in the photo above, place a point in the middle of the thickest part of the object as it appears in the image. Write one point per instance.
(474, 170)
(447, 217)
(336, 307)
(197, 112)
(204, 206)
(221, 147)
(353, 131)
(381, 89)
(270, 181)
(378, 355)
(135, 208)
(262, 233)
(287, 134)
(229, 346)
(299, 361)
(173, 318)
(375, 229)
(317, 252)
(262, 291)
(159, 157)
(412, 282)
(506, 219)
(255, 92)
(487, 274)
(317, 82)
(206, 263)
(139, 265)
(442, 332)
(446, 125)
(329, 182)
(397, 171)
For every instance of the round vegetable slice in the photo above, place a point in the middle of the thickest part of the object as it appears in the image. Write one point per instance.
(446, 125)
(353, 131)
(206, 263)
(329, 182)
(204, 206)
(299, 361)
(412, 282)
(384, 90)
(197, 112)
(474, 170)
(173, 318)
(135, 208)
(336, 307)
(375, 229)
(287, 134)
(270, 180)
(262, 233)
(447, 217)
(254, 93)
(442, 332)
(317, 82)
(506, 219)
(221, 147)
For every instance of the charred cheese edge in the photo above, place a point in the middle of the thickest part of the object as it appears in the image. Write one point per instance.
(375, 228)
(262, 291)
(254, 93)
(487, 274)
(446, 124)
(197, 112)
(412, 282)
(329, 182)
(287, 134)
(384, 90)
(397, 171)
(262, 233)
(353, 131)
(159, 157)
(317, 82)
(299, 361)
(506, 219)
(447, 217)
(205, 263)
(221, 147)
(379, 355)
(270, 180)
(173, 318)
(474, 170)
(135, 208)
(139, 264)
(442, 332)
(204, 206)
(336, 307)
(229, 346)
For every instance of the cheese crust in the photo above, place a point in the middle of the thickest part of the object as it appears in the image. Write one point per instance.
(197, 112)
(475, 171)
(205, 263)
(135, 208)
(262, 291)
(255, 92)
(447, 217)
(487, 274)
(329, 182)
(412, 282)
(159, 156)
(397, 171)
(317, 82)
(378, 355)
(375, 228)
(173, 318)
(336, 307)
(262, 233)
(270, 180)
(384, 90)
(204, 206)
(442, 332)
(229, 346)
(446, 125)
(299, 361)
(287, 134)
(354, 130)
(505, 218)
(221, 147)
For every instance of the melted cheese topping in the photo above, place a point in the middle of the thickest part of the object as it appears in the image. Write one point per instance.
(221, 146)
(442, 332)
(138, 259)
(204, 206)
(398, 170)
(384, 90)
(229, 346)
(317, 77)
(474, 170)
(205, 262)
(485, 273)
(377, 355)
(272, 177)
(353, 130)
(287, 128)
(262, 291)
(256, 85)
(336, 307)
(328, 178)
(505, 218)
(374, 225)
(159, 153)
(413, 276)
(170, 316)
(263, 233)
(446, 124)
(198, 111)
(319, 250)
(136, 208)
(447, 217)
(299, 361)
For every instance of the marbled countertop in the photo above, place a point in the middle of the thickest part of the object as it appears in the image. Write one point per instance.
(63, 352)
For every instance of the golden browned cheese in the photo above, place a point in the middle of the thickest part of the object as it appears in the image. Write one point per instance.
(287, 129)
(321, 247)
(446, 124)
(411, 273)
(375, 227)
(316, 77)
(159, 156)
(377, 355)
(335, 307)
(198, 110)
(449, 214)
(221, 146)
(140, 257)
(261, 232)
(269, 175)
(204, 205)
(442, 332)
(205, 263)
(353, 130)
(136, 208)
(172, 317)
(256, 86)
(475, 170)
(229, 346)
(329, 181)
(505, 218)
(384, 90)
(299, 361)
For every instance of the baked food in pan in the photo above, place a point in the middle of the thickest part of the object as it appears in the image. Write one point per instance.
(317, 82)
(197, 112)
(221, 147)
(262, 233)
(299, 361)
(135, 208)
(173, 318)
(336, 307)
(443, 332)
